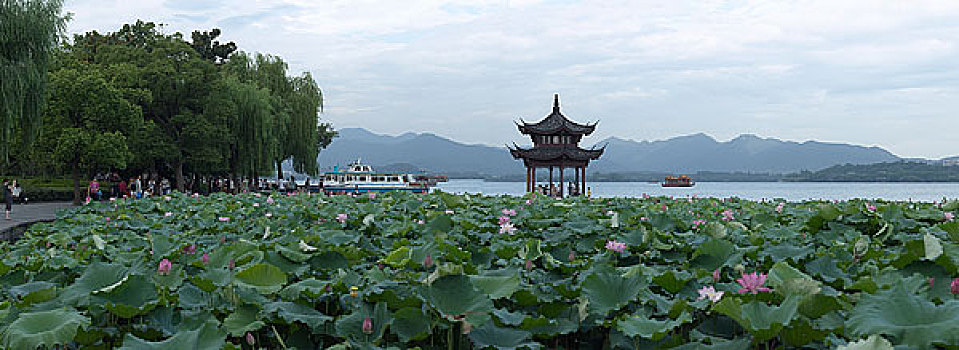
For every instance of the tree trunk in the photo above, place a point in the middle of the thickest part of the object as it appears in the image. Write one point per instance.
(75, 169)
(180, 185)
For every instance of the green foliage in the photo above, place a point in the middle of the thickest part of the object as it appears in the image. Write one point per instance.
(29, 33)
(838, 277)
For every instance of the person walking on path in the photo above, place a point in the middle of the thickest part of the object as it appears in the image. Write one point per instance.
(7, 197)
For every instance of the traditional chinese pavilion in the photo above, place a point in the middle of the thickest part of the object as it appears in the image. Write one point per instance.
(556, 145)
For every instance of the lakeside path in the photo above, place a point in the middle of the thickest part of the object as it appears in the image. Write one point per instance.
(23, 214)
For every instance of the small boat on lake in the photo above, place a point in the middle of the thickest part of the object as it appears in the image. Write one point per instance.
(360, 178)
(678, 181)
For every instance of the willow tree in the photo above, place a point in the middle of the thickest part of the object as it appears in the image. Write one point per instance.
(29, 33)
(295, 102)
(244, 110)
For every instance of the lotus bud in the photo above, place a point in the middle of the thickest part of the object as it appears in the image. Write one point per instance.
(715, 275)
(232, 264)
(367, 325)
(954, 286)
(428, 261)
(572, 255)
(249, 339)
(932, 280)
(205, 258)
(164, 267)
(529, 264)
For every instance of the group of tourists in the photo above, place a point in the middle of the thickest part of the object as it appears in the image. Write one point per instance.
(149, 185)
(135, 187)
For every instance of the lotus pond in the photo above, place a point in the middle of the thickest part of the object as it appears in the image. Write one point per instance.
(444, 271)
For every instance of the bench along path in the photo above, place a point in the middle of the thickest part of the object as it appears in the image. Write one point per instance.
(25, 214)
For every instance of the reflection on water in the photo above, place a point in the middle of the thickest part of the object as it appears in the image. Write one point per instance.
(793, 191)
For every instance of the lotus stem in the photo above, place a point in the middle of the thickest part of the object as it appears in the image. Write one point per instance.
(278, 338)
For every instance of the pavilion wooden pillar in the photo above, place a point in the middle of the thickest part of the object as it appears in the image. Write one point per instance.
(550, 181)
(577, 170)
(562, 181)
(533, 187)
(527, 179)
(584, 179)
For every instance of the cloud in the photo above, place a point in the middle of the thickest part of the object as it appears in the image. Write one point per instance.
(866, 72)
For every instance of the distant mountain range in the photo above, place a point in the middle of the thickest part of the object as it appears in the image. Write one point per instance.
(683, 154)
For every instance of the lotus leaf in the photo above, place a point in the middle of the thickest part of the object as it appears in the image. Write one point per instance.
(455, 296)
(906, 317)
(608, 291)
(207, 337)
(501, 338)
(264, 278)
(43, 328)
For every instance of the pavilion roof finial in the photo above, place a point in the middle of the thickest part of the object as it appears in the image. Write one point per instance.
(555, 102)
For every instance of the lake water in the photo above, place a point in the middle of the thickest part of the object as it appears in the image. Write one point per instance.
(792, 191)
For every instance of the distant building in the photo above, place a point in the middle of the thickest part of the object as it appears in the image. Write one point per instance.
(556, 145)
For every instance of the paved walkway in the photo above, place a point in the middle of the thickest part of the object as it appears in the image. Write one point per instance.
(26, 213)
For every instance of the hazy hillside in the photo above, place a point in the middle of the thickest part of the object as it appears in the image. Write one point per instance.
(747, 153)
(687, 154)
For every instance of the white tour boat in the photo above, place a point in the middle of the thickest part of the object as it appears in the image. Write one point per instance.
(360, 178)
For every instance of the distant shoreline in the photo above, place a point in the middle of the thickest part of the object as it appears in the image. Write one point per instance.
(541, 181)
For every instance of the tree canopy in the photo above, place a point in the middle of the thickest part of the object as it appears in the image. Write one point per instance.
(141, 100)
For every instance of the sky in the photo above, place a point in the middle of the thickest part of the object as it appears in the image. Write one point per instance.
(867, 72)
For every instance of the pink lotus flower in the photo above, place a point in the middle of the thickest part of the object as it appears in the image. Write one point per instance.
(708, 292)
(949, 215)
(529, 201)
(205, 259)
(503, 219)
(779, 208)
(507, 228)
(164, 267)
(509, 212)
(167, 214)
(615, 246)
(249, 338)
(107, 219)
(256, 205)
(727, 215)
(372, 195)
(196, 195)
(420, 222)
(167, 198)
(367, 325)
(269, 200)
(113, 199)
(954, 286)
(752, 283)
(871, 207)
(341, 217)
(428, 261)
(224, 218)
(190, 249)
(269, 215)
